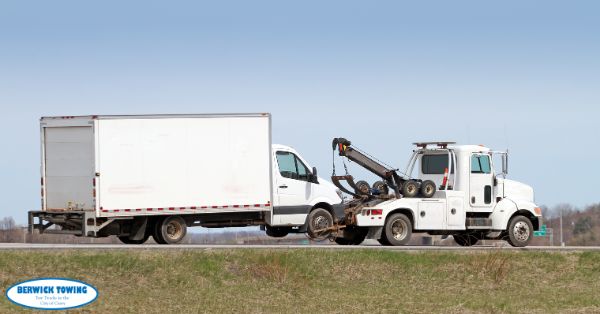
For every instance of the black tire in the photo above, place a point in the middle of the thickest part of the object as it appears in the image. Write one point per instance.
(381, 187)
(398, 229)
(170, 230)
(410, 188)
(363, 188)
(277, 232)
(355, 235)
(343, 241)
(126, 240)
(156, 231)
(319, 219)
(428, 188)
(383, 241)
(465, 239)
(520, 231)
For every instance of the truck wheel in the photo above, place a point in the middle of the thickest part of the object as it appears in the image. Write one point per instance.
(277, 232)
(398, 229)
(427, 188)
(465, 239)
(170, 230)
(319, 219)
(363, 188)
(343, 241)
(520, 231)
(410, 188)
(156, 233)
(353, 236)
(383, 241)
(381, 187)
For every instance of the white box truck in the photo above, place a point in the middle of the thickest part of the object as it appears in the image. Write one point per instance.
(155, 175)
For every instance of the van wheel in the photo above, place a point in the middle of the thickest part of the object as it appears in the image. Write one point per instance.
(410, 188)
(427, 188)
(318, 220)
(520, 231)
(398, 229)
(169, 230)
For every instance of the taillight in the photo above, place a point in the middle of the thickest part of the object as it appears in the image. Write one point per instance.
(375, 212)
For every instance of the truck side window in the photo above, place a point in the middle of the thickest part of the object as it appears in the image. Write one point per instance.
(287, 165)
(480, 164)
(435, 164)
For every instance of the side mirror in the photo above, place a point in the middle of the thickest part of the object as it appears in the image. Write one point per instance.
(313, 177)
(505, 164)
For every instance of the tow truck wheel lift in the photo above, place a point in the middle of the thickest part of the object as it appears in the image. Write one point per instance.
(345, 232)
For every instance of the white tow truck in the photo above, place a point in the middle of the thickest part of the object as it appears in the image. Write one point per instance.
(468, 198)
(155, 175)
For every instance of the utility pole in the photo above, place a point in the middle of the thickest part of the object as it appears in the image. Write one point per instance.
(561, 228)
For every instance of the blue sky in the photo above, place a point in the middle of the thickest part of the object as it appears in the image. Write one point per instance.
(523, 75)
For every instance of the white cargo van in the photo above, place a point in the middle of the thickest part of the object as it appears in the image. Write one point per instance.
(155, 175)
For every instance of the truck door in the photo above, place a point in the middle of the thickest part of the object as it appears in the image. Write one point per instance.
(481, 181)
(293, 189)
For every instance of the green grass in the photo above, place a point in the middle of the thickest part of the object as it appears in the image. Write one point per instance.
(318, 281)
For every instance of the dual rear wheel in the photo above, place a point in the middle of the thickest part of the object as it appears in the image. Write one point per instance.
(164, 230)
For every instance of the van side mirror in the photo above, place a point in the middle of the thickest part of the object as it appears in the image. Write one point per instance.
(313, 176)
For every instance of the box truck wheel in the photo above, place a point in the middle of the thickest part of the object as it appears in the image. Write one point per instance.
(398, 229)
(428, 188)
(169, 230)
(520, 231)
(319, 220)
(410, 188)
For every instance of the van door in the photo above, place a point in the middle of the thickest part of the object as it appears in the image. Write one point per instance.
(293, 189)
(481, 181)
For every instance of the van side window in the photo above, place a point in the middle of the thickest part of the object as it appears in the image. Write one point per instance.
(480, 164)
(291, 167)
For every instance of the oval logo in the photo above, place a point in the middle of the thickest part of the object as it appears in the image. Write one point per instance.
(52, 294)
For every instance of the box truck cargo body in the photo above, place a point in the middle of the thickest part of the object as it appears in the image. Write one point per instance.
(125, 175)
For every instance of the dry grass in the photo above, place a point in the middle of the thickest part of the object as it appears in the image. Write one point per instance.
(315, 281)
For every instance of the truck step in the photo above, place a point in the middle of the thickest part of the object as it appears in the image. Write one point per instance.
(478, 223)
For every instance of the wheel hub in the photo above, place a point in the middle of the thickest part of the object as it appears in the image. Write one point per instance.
(399, 229)
(174, 230)
(521, 231)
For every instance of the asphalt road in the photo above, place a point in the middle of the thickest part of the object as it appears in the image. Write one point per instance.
(35, 246)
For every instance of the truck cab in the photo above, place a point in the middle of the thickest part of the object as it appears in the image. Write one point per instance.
(298, 191)
(473, 200)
